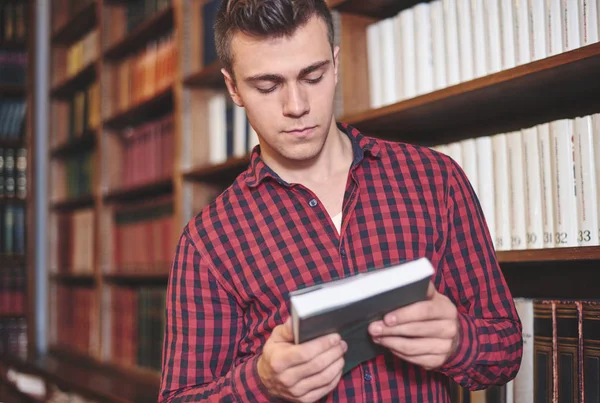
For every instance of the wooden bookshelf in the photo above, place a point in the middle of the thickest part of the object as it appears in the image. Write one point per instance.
(8, 260)
(157, 104)
(13, 45)
(209, 77)
(80, 23)
(225, 172)
(80, 202)
(566, 255)
(84, 142)
(12, 90)
(12, 143)
(140, 191)
(141, 277)
(374, 8)
(68, 87)
(73, 278)
(161, 23)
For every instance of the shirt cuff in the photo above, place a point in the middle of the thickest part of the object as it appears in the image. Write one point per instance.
(247, 383)
(466, 350)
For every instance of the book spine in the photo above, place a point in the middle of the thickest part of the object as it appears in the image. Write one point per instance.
(568, 351)
(503, 203)
(543, 325)
(585, 175)
(533, 189)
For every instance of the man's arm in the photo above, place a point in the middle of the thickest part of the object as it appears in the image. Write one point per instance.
(203, 327)
(490, 345)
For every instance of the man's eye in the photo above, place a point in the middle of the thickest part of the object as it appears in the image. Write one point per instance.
(266, 90)
(314, 80)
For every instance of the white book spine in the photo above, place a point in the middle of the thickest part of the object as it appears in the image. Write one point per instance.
(399, 55)
(455, 152)
(518, 202)
(524, 32)
(533, 189)
(407, 25)
(452, 53)
(563, 187)
(494, 44)
(424, 48)
(469, 162)
(589, 22)
(388, 61)
(441, 148)
(524, 381)
(539, 29)
(485, 186)
(502, 192)
(479, 37)
(218, 126)
(374, 64)
(509, 55)
(555, 27)
(596, 137)
(438, 44)
(546, 182)
(585, 174)
(239, 131)
(572, 26)
(465, 37)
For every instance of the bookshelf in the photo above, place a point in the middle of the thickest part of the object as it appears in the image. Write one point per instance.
(147, 93)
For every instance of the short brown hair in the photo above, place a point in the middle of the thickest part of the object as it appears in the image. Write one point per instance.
(264, 18)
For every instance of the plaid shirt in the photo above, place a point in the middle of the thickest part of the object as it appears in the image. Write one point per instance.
(261, 238)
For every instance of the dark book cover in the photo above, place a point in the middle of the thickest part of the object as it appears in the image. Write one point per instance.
(591, 351)
(351, 321)
(567, 313)
(543, 327)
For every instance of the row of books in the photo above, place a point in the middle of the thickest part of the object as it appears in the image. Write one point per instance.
(229, 131)
(12, 229)
(74, 176)
(437, 44)
(142, 76)
(13, 21)
(76, 117)
(13, 289)
(538, 187)
(139, 11)
(13, 336)
(13, 173)
(63, 10)
(143, 238)
(13, 66)
(73, 237)
(137, 326)
(209, 14)
(12, 118)
(73, 321)
(81, 53)
(148, 152)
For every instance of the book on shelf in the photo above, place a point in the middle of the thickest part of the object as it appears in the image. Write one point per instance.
(350, 304)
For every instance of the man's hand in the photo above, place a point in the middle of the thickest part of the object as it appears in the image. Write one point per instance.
(304, 372)
(424, 333)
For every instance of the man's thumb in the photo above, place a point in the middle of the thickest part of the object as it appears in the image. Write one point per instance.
(284, 333)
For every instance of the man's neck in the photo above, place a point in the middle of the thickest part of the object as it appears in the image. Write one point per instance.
(334, 159)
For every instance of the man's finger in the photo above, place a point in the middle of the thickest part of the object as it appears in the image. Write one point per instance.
(414, 347)
(320, 380)
(315, 366)
(305, 352)
(283, 333)
(437, 328)
(418, 312)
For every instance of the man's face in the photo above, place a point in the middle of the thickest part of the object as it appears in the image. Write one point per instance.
(287, 86)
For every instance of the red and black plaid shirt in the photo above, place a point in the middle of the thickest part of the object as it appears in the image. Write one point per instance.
(239, 258)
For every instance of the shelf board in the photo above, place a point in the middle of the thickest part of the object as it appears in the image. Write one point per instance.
(73, 278)
(372, 8)
(561, 86)
(209, 77)
(86, 141)
(13, 45)
(160, 102)
(80, 202)
(12, 315)
(158, 187)
(220, 173)
(76, 82)
(139, 277)
(160, 23)
(11, 259)
(550, 255)
(12, 143)
(12, 200)
(22, 396)
(82, 21)
(12, 90)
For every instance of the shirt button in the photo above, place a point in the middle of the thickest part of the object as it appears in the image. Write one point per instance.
(368, 377)
(343, 252)
(312, 203)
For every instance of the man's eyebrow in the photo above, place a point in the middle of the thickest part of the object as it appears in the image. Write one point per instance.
(277, 78)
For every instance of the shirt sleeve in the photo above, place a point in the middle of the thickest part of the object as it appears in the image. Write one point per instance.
(490, 343)
(204, 324)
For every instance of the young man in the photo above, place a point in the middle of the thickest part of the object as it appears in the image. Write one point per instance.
(321, 201)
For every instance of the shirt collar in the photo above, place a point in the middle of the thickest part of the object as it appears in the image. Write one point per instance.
(362, 146)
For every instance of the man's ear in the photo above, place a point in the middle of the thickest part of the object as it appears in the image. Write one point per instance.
(336, 61)
(232, 88)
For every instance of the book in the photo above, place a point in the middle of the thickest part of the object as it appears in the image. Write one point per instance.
(349, 305)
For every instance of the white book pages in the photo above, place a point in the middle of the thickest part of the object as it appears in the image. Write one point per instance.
(239, 131)
(485, 176)
(524, 381)
(465, 37)
(439, 46)
(494, 44)
(452, 52)
(589, 22)
(387, 41)
(502, 192)
(455, 152)
(539, 29)
(572, 26)
(509, 55)
(585, 175)
(424, 48)
(479, 37)
(533, 189)
(518, 202)
(399, 55)
(469, 162)
(217, 128)
(407, 25)
(555, 22)
(524, 17)
(563, 187)
(374, 64)
(546, 183)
